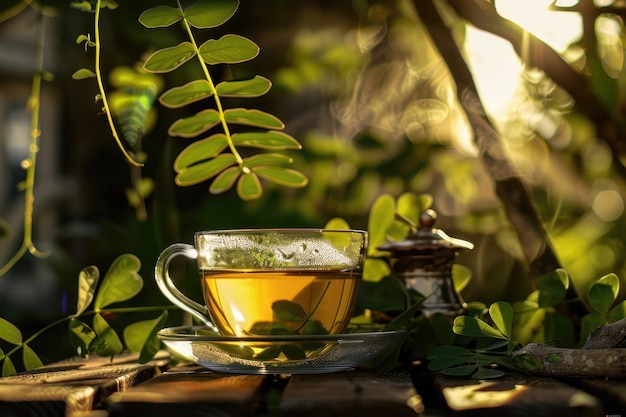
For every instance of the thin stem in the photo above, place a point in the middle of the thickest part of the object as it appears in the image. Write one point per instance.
(319, 301)
(30, 162)
(105, 103)
(218, 102)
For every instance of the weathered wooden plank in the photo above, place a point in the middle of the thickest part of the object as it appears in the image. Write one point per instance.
(516, 395)
(67, 388)
(190, 390)
(354, 393)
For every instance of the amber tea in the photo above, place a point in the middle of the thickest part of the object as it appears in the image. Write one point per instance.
(270, 281)
(266, 302)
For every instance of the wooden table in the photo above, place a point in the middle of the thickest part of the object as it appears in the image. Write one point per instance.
(124, 388)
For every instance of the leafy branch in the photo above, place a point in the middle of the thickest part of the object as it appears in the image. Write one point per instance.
(96, 6)
(502, 335)
(219, 156)
(121, 283)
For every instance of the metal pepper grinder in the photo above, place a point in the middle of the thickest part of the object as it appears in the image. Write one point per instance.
(425, 259)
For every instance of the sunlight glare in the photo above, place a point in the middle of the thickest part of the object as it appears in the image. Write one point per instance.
(557, 29)
(496, 69)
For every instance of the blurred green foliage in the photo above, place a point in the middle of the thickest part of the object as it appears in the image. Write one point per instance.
(361, 87)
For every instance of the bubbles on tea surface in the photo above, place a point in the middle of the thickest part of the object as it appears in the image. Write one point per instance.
(278, 251)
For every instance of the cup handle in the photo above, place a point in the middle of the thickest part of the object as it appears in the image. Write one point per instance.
(168, 288)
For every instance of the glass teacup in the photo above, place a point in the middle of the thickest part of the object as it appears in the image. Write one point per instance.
(271, 281)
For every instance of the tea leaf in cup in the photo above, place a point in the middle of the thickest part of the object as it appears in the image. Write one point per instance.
(313, 327)
(270, 327)
(293, 352)
(288, 310)
(271, 352)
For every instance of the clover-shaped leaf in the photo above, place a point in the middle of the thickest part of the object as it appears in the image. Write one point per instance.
(141, 337)
(9, 332)
(108, 342)
(603, 293)
(30, 359)
(120, 283)
(87, 282)
(473, 327)
(81, 336)
(8, 368)
(552, 287)
(288, 310)
(502, 315)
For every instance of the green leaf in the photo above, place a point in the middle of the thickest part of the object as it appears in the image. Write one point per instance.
(270, 327)
(552, 287)
(618, 312)
(293, 352)
(249, 187)
(288, 310)
(30, 358)
(380, 219)
(108, 342)
(460, 370)
(502, 315)
(266, 140)
(229, 49)
(312, 327)
(264, 159)
(81, 336)
(9, 332)
(271, 352)
(411, 206)
(225, 180)
(160, 16)
(189, 93)
(210, 13)
(252, 117)
(168, 59)
(461, 276)
(589, 323)
(205, 170)
(603, 293)
(438, 364)
(487, 373)
(473, 327)
(254, 87)
(337, 223)
(375, 269)
(87, 282)
(120, 283)
(141, 337)
(282, 176)
(443, 351)
(8, 368)
(192, 126)
(83, 73)
(201, 150)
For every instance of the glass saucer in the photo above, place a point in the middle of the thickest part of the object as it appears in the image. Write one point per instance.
(278, 354)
